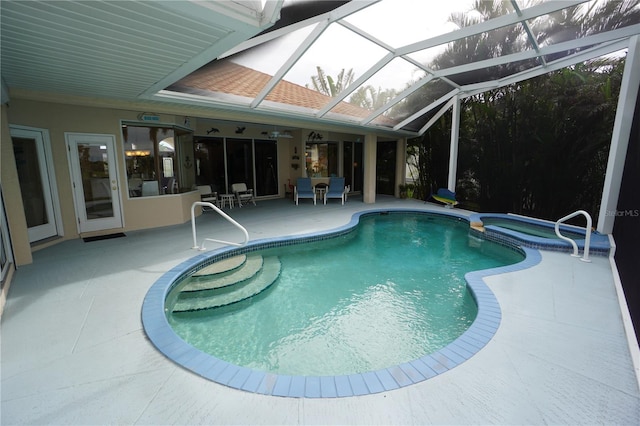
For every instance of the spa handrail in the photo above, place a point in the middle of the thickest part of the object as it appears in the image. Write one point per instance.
(587, 240)
(224, 215)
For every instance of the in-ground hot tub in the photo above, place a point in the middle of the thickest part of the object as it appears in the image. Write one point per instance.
(535, 233)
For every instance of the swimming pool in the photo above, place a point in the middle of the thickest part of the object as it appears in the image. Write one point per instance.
(389, 292)
(403, 373)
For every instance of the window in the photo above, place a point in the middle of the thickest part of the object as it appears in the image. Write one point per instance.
(156, 160)
(321, 159)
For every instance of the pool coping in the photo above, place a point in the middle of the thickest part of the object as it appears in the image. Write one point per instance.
(481, 331)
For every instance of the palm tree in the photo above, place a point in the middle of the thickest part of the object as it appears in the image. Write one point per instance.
(326, 85)
(369, 98)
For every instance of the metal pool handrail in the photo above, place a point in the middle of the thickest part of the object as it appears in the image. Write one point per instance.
(224, 215)
(587, 240)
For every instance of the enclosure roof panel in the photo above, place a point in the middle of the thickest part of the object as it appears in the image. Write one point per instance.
(373, 64)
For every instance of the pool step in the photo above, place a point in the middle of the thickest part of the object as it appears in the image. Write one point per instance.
(223, 266)
(234, 272)
(214, 294)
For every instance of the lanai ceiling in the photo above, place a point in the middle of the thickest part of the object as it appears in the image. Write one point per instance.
(258, 57)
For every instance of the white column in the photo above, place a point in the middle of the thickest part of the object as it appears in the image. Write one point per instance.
(453, 147)
(620, 137)
(369, 154)
(401, 165)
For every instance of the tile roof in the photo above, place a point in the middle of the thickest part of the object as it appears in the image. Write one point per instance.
(230, 78)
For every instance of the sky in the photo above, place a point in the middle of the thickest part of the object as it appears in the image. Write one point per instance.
(394, 22)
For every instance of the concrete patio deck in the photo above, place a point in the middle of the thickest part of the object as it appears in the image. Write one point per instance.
(74, 350)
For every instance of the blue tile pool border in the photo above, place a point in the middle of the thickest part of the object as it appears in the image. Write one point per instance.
(481, 331)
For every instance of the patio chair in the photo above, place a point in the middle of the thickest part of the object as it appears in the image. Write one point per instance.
(303, 189)
(243, 194)
(336, 189)
(208, 196)
(448, 198)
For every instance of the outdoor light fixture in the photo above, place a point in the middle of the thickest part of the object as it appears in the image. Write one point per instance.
(138, 153)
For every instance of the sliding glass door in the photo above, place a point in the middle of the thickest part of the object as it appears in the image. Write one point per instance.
(221, 162)
(266, 154)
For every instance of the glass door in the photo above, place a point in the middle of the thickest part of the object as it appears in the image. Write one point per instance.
(240, 164)
(386, 168)
(35, 174)
(93, 168)
(266, 167)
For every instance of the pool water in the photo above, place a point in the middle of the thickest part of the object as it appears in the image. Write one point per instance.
(389, 292)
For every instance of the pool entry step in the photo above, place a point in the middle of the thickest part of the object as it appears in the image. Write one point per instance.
(227, 281)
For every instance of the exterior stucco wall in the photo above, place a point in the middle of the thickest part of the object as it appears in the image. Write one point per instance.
(106, 118)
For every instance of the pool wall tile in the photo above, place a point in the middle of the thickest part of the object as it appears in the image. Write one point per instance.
(480, 332)
(312, 387)
(469, 339)
(227, 374)
(387, 380)
(411, 372)
(282, 386)
(434, 364)
(267, 384)
(253, 382)
(358, 384)
(462, 349)
(240, 378)
(399, 376)
(453, 357)
(297, 386)
(372, 382)
(423, 368)
(343, 386)
(328, 387)
(218, 369)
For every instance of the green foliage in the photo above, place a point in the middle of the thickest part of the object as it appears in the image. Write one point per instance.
(326, 85)
(428, 156)
(539, 147)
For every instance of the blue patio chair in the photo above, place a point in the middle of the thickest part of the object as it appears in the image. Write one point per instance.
(336, 189)
(303, 189)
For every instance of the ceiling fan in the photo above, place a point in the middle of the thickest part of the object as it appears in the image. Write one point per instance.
(275, 134)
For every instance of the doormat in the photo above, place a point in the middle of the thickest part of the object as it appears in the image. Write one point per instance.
(103, 237)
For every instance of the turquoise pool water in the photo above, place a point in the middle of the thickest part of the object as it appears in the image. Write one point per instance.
(387, 293)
